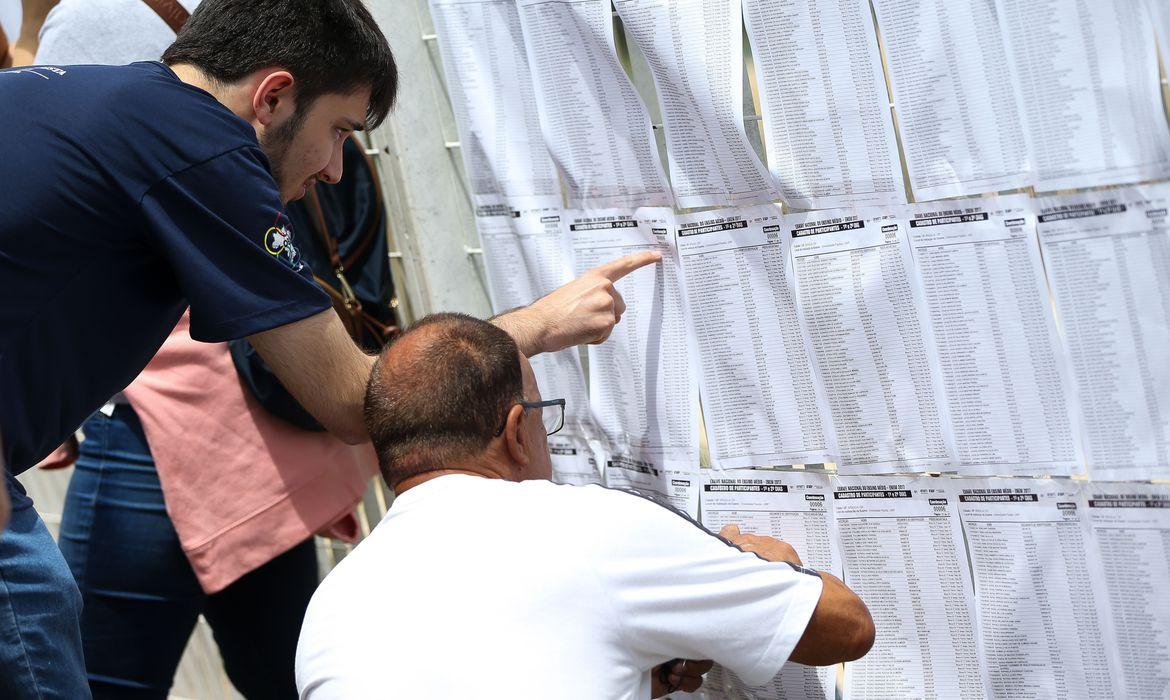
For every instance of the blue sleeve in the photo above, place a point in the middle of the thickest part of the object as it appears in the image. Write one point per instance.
(221, 227)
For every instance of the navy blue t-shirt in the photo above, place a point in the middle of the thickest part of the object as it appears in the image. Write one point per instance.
(125, 196)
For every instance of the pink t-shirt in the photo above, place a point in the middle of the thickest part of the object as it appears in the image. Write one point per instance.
(241, 485)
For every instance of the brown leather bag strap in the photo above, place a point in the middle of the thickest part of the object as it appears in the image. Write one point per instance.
(313, 202)
(350, 302)
(174, 14)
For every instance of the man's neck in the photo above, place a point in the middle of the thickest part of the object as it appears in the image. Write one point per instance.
(485, 471)
(229, 95)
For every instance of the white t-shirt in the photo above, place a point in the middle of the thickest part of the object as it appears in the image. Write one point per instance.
(483, 588)
(109, 32)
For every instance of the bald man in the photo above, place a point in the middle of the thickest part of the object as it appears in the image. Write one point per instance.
(486, 580)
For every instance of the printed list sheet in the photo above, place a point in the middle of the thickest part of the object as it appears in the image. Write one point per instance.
(827, 126)
(796, 507)
(1043, 613)
(1088, 75)
(871, 340)
(957, 99)
(1131, 526)
(596, 126)
(762, 401)
(694, 49)
(1108, 261)
(1008, 384)
(903, 554)
(642, 380)
(494, 102)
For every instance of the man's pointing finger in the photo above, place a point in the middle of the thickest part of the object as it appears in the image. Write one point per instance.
(617, 269)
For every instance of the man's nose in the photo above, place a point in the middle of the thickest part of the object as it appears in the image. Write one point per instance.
(332, 171)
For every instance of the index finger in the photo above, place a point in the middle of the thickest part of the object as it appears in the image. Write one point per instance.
(614, 270)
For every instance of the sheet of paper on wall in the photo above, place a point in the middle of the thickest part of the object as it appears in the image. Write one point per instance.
(903, 554)
(1108, 261)
(492, 96)
(796, 507)
(871, 340)
(525, 254)
(595, 125)
(1092, 98)
(642, 381)
(573, 461)
(826, 122)
(1131, 527)
(1044, 622)
(509, 283)
(956, 96)
(677, 489)
(545, 245)
(1006, 377)
(763, 403)
(694, 49)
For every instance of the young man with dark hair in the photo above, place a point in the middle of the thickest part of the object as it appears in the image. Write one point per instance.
(133, 192)
(569, 592)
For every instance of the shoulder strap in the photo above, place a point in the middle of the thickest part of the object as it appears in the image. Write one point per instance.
(174, 14)
(313, 203)
(352, 304)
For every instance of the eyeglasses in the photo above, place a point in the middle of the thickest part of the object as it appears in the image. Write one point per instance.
(553, 419)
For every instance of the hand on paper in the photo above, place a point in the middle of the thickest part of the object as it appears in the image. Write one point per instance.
(678, 674)
(582, 311)
(766, 547)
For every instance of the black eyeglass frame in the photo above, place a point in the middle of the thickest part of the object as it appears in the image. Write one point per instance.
(541, 405)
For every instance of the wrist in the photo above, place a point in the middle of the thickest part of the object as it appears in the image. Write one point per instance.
(543, 328)
(527, 326)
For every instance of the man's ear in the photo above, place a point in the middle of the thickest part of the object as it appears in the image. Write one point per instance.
(273, 100)
(514, 438)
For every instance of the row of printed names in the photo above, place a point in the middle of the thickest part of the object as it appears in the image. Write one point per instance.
(1007, 336)
(989, 96)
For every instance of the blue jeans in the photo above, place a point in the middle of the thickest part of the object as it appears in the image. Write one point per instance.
(142, 598)
(40, 640)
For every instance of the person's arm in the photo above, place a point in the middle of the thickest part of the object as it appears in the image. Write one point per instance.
(582, 311)
(24, 51)
(323, 369)
(841, 628)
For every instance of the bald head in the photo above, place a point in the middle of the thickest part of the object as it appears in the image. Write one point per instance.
(439, 393)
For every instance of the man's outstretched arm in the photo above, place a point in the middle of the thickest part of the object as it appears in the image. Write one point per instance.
(323, 369)
(326, 372)
(841, 628)
(582, 311)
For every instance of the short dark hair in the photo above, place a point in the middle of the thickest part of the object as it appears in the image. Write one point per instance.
(329, 46)
(440, 391)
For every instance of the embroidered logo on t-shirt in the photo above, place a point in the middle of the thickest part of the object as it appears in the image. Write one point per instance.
(278, 242)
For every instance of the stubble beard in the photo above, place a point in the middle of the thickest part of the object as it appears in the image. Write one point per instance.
(276, 144)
